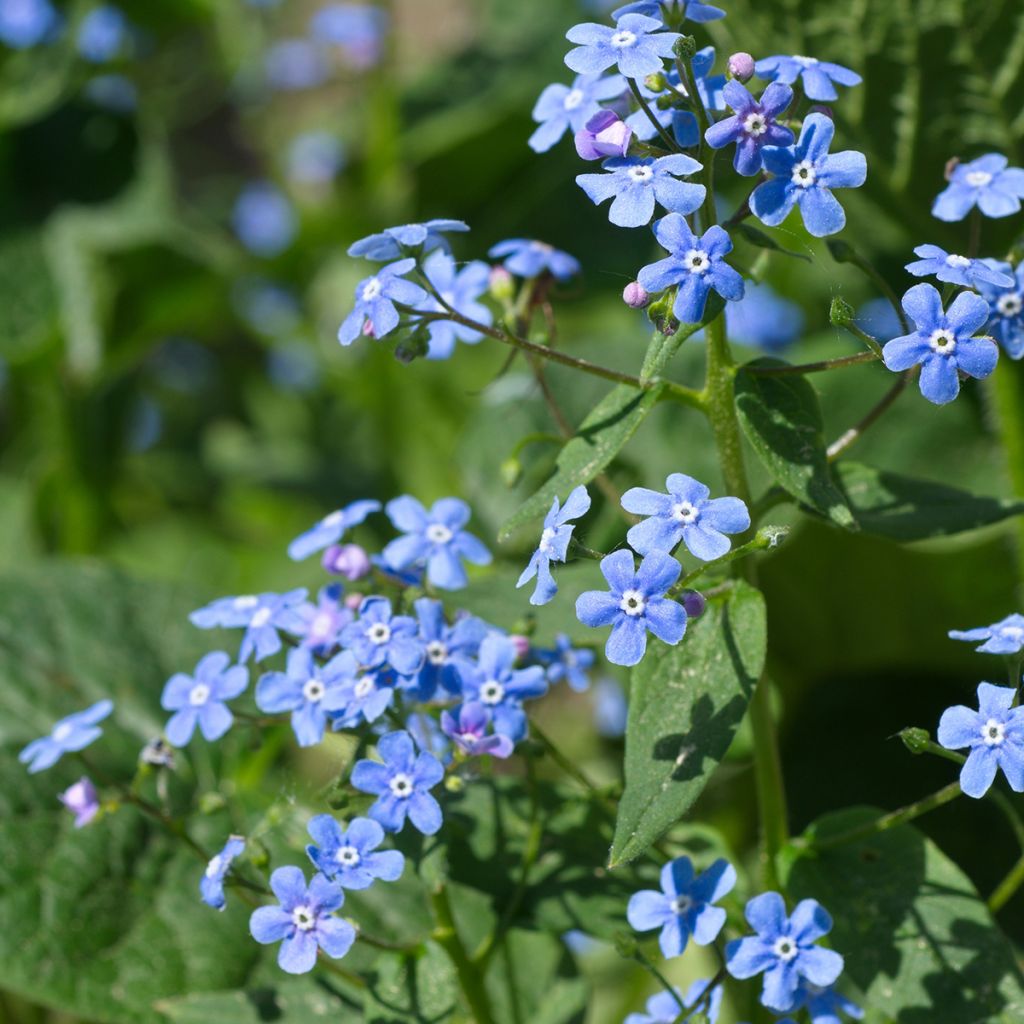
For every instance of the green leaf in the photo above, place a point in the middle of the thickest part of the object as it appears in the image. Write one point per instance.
(782, 420)
(407, 988)
(919, 942)
(906, 509)
(27, 297)
(686, 703)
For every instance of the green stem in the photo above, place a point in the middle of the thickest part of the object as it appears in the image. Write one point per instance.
(864, 337)
(819, 367)
(471, 979)
(850, 437)
(644, 962)
(766, 538)
(673, 146)
(571, 770)
(1007, 887)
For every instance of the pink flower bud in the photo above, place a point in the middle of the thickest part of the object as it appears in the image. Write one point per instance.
(521, 644)
(605, 134)
(348, 560)
(501, 284)
(635, 295)
(81, 800)
(353, 601)
(741, 66)
(367, 329)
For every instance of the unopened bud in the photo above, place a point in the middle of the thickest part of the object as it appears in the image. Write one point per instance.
(413, 346)
(511, 471)
(605, 134)
(741, 66)
(353, 601)
(840, 312)
(685, 47)
(348, 560)
(694, 603)
(635, 295)
(915, 740)
(656, 82)
(520, 644)
(367, 329)
(501, 284)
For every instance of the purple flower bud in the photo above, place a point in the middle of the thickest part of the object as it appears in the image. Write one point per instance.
(820, 108)
(348, 560)
(521, 644)
(605, 134)
(694, 603)
(635, 295)
(81, 800)
(741, 66)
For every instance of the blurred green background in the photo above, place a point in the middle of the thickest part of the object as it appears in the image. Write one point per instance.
(153, 416)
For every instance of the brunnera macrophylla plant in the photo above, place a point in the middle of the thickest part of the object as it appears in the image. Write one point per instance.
(699, 148)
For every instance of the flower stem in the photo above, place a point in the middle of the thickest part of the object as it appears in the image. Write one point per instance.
(819, 367)
(1007, 887)
(673, 146)
(851, 436)
(471, 979)
(644, 961)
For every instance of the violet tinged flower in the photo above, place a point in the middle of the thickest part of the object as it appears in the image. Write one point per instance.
(331, 529)
(402, 784)
(824, 1004)
(460, 288)
(804, 176)
(995, 734)
(446, 647)
(349, 855)
(686, 513)
(82, 800)
(466, 727)
(764, 319)
(101, 34)
(348, 560)
(199, 699)
(260, 614)
(375, 311)
(320, 625)
(434, 539)
(636, 45)
(635, 295)
(378, 637)
(75, 732)
(1006, 308)
(357, 29)
(753, 125)
(561, 108)
(663, 1007)
(605, 134)
(24, 23)
(986, 183)
(696, 265)
(953, 269)
(407, 240)
(573, 664)
(315, 158)
(304, 921)
(634, 603)
(362, 696)
(682, 123)
(501, 688)
(784, 949)
(263, 219)
(1003, 637)
(637, 182)
(684, 906)
(818, 77)
(211, 885)
(294, 64)
(528, 258)
(554, 544)
(944, 342)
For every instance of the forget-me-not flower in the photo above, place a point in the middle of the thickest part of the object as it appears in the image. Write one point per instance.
(684, 906)
(407, 240)
(637, 182)
(995, 734)
(954, 269)
(363, 697)
(378, 637)
(573, 664)
(314, 158)
(944, 342)
(824, 1004)
(694, 10)
(764, 319)
(101, 34)
(561, 108)
(466, 726)
(663, 1007)
(634, 603)
(445, 647)
(637, 45)
(818, 77)
(1006, 308)
(604, 135)
(263, 219)
(260, 614)
(460, 288)
(199, 699)
(611, 709)
(82, 800)
(75, 732)
(24, 23)
(753, 124)
(527, 257)
(358, 29)
(349, 855)
(293, 64)
(375, 311)
(331, 528)
(211, 885)
(1003, 637)
(987, 183)
(320, 625)
(554, 544)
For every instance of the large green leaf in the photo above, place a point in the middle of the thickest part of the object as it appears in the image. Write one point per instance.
(686, 703)
(918, 940)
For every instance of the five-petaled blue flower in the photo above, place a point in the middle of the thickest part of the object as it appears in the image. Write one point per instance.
(995, 734)
(784, 949)
(634, 604)
(211, 885)
(954, 269)
(554, 544)
(694, 10)
(320, 625)
(753, 125)
(435, 539)
(824, 1003)
(637, 45)
(637, 182)
(944, 342)
(331, 529)
(986, 183)
(304, 920)
(562, 108)
(101, 33)
(804, 176)
(818, 76)
(378, 637)
(686, 513)
(261, 615)
(1003, 637)
(466, 726)
(349, 856)
(402, 784)
(263, 219)
(684, 906)
(696, 265)
(375, 311)
(24, 23)
(526, 257)
(663, 1007)
(1006, 308)
(73, 733)
(406, 240)
(363, 697)
(199, 699)
(445, 647)
(572, 664)
(460, 288)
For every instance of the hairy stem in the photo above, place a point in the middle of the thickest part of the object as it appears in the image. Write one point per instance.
(819, 367)
(851, 436)
(670, 142)
(471, 980)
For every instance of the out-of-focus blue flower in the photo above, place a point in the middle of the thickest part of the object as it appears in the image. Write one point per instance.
(554, 544)
(529, 258)
(260, 614)
(349, 856)
(406, 240)
(561, 108)
(348, 560)
(146, 424)
(663, 1007)
(466, 727)
(753, 125)
(879, 319)
(358, 29)
(101, 34)
(764, 319)
(294, 64)
(115, 93)
(211, 885)
(953, 269)
(824, 1004)
(460, 288)
(446, 646)
(200, 699)
(73, 733)
(377, 637)
(24, 23)
(817, 76)
(573, 664)
(987, 183)
(1006, 308)
(1003, 637)
(611, 709)
(944, 342)
(269, 308)
(264, 220)
(293, 366)
(331, 528)
(694, 10)
(315, 158)
(637, 182)
(375, 313)
(637, 45)
(82, 800)
(320, 625)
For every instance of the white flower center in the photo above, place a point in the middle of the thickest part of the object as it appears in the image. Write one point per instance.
(62, 732)
(685, 513)
(546, 539)
(199, 694)
(755, 124)
(379, 633)
(303, 918)
(785, 948)
(242, 603)
(641, 173)
(313, 690)
(261, 618)
(468, 739)
(623, 39)
(942, 341)
(334, 519)
(978, 179)
(401, 785)
(803, 174)
(365, 687)
(322, 624)
(544, 247)
(213, 867)
(697, 261)
(437, 652)
(438, 533)
(633, 602)
(807, 62)
(993, 733)
(371, 290)
(347, 856)
(680, 905)
(1010, 304)
(573, 98)
(1012, 632)
(492, 692)
(960, 262)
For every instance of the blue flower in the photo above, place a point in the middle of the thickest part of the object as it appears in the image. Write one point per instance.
(82, 800)
(824, 1004)
(684, 906)
(375, 313)
(24, 23)
(554, 544)
(261, 615)
(435, 539)
(636, 182)
(611, 708)
(995, 734)
(636, 45)
(569, 663)
(686, 514)
(460, 288)
(293, 64)
(315, 158)
(349, 856)
(446, 647)
(1006, 308)
(402, 784)
(764, 319)
(694, 10)
(378, 637)
(73, 733)
(1003, 637)
(331, 529)
(696, 265)
(944, 343)
(663, 1007)
(753, 125)
(784, 949)
(303, 921)
(112, 92)
(986, 183)
(819, 76)
(211, 885)
(358, 29)
(953, 269)
(529, 258)
(561, 108)
(263, 219)
(406, 240)
(320, 625)
(101, 34)
(363, 697)
(634, 604)
(466, 727)
(427, 735)
(804, 176)
(500, 688)
(199, 699)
